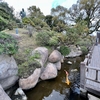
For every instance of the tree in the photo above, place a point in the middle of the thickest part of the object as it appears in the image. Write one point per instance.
(59, 18)
(48, 20)
(74, 13)
(36, 17)
(91, 9)
(8, 9)
(88, 10)
(6, 15)
(35, 12)
(59, 12)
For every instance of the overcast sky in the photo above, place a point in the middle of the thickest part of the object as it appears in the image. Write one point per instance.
(44, 5)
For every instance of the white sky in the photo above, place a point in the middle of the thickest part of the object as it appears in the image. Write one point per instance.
(44, 5)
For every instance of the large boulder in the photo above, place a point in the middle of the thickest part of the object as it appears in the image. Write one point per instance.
(43, 54)
(3, 95)
(75, 51)
(62, 59)
(74, 54)
(55, 56)
(49, 72)
(58, 65)
(8, 71)
(8, 82)
(31, 81)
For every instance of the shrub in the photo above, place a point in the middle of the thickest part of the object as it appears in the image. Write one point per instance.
(8, 45)
(43, 37)
(84, 49)
(46, 28)
(29, 65)
(64, 50)
(10, 26)
(84, 42)
(26, 21)
(53, 41)
(3, 23)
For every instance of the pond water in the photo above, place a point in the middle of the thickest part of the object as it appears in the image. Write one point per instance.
(56, 89)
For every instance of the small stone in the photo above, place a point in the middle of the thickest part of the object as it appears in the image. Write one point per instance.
(69, 62)
(74, 70)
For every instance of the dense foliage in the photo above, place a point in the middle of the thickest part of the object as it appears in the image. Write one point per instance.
(3, 23)
(64, 50)
(56, 29)
(47, 38)
(3, 18)
(8, 44)
(29, 64)
(7, 18)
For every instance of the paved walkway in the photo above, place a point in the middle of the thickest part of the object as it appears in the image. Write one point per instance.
(95, 59)
(93, 75)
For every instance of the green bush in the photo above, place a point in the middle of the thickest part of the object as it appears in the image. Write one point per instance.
(84, 49)
(10, 26)
(84, 42)
(29, 65)
(47, 38)
(8, 45)
(26, 21)
(43, 37)
(64, 50)
(3, 23)
(53, 41)
(46, 28)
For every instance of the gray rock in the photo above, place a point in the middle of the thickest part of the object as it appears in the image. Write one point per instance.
(31, 81)
(8, 82)
(69, 62)
(49, 72)
(74, 54)
(55, 56)
(58, 65)
(43, 55)
(92, 97)
(75, 51)
(8, 71)
(3, 95)
(62, 59)
(19, 92)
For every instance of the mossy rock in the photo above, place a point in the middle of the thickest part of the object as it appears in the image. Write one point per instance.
(26, 69)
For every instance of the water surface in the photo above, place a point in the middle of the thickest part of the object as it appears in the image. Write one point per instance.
(55, 89)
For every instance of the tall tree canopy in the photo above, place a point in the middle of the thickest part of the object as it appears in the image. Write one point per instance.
(6, 14)
(48, 20)
(91, 9)
(35, 12)
(88, 10)
(8, 9)
(59, 18)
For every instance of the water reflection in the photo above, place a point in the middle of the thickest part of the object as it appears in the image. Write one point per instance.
(56, 89)
(55, 96)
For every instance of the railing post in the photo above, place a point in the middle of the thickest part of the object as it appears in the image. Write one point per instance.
(83, 91)
(82, 75)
